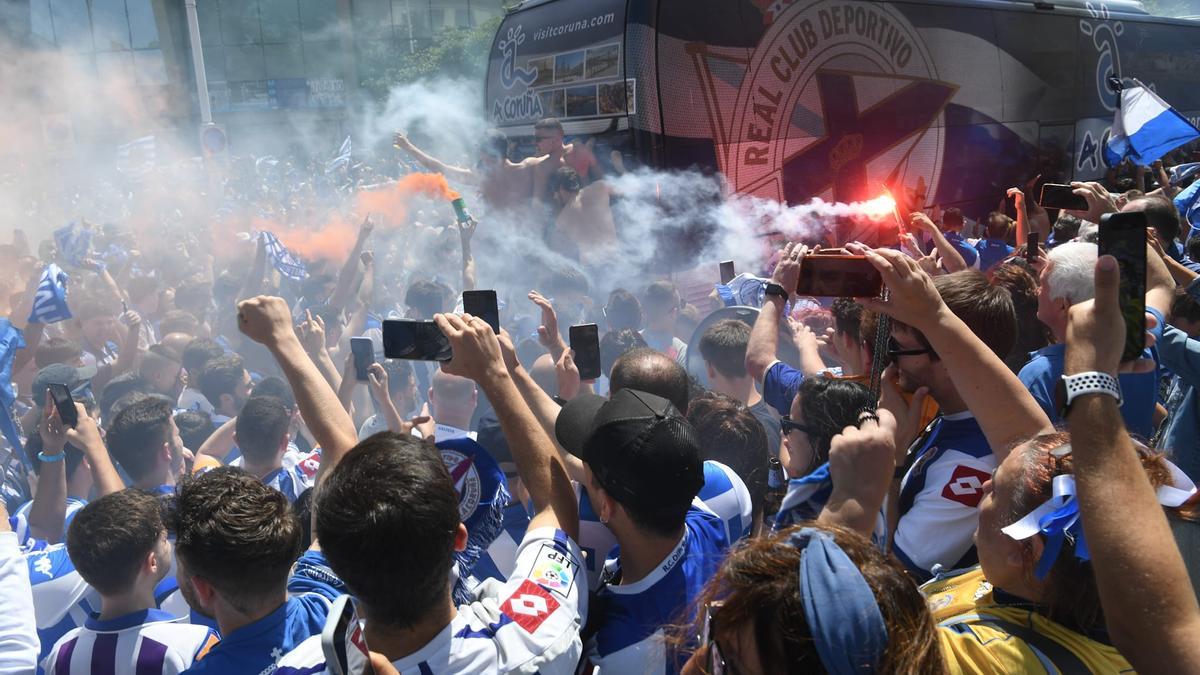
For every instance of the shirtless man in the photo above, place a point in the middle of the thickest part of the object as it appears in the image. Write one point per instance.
(584, 227)
(548, 137)
(502, 184)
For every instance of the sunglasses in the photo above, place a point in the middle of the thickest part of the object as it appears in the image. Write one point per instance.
(715, 662)
(788, 426)
(895, 351)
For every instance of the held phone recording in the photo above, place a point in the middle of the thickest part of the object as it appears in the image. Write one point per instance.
(585, 342)
(1031, 247)
(839, 276)
(343, 642)
(364, 355)
(1123, 236)
(727, 273)
(1058, 196)
(483, 305)
(64, 403)
(415, 341)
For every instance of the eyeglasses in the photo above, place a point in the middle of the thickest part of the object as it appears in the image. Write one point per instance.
(716, 664)
(788, 426)
(539, 139)
(895, 350)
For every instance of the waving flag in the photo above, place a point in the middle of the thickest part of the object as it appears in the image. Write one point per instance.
(11, 339)
(288, 264)
(73, 241)
(342, 159)
(1189, 206)
(1180, 173)
(1145, 128)
(50, 302)
(482, 497)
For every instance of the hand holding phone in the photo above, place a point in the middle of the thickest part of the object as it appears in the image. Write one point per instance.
(585, 342)
(727, 272)
(1123, 236)
(343, 642)
(64, 403)
(1031, 247)
(484, 305)
(839, 276)
(363, 350)
(415, 341)
(1060, 196)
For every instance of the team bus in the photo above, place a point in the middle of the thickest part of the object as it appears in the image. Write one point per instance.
(947, 101)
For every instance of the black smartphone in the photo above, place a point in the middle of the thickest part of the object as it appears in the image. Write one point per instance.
(483, 304)
(1059, 196)
(64, 403)
(363, 350)
(1031, 247)
(839, 276)
(1123, 236)
(343, 643)
(585, 342)
(727, 273)
(415, 341)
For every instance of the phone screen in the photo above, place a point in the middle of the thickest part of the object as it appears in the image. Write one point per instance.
(483, 304)
(1123, 236)
(64, 403)
(364, 355)
(727, 273)
(1031, 247)
(343, 643)
(839, 276)
(585, 342)
(415, 341)
(1059, 196)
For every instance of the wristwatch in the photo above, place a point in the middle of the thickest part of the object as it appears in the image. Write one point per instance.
(1071, 387)
(775, 289)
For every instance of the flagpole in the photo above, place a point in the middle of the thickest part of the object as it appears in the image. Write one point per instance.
(193, 22)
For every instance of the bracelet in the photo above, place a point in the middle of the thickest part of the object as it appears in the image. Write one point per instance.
(43, 457)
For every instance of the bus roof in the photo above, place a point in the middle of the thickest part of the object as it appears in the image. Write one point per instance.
(1119, 6)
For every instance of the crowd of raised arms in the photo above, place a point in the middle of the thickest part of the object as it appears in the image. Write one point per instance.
(967, 473)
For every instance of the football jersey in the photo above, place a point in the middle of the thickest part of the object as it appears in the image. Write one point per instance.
(62, 600)
(726, 495)
(981, 629)
(297, 472)
(630, 619)
(940, 495)
(529, 624)
(257, 647)
(20, 519)
(500, 558)
(149, 642)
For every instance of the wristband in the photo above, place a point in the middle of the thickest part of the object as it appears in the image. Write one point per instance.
(1091, 382)
(43, 457)
(775, 289)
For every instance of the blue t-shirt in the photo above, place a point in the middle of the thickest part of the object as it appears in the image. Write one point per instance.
(964, 248)
(631, 619)
(992, 252)
(257, 647)
(1139, 391)
(780, 385)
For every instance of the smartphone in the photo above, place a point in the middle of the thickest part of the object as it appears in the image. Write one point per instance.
(727, 273)
(839, 276)
(363, 350)
(415, 341)
(1123, 236)
(64, 403)
(585, 342)
(1031, 247)
(1059, 196)
(483, 305)
(343, 642)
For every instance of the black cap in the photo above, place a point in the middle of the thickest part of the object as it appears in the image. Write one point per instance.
(78, 380)
(641, 450)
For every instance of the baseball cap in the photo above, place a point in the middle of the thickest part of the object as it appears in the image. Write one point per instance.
(78, 380)
(639, 447)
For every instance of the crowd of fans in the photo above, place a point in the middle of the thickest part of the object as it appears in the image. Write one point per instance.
(888, 484)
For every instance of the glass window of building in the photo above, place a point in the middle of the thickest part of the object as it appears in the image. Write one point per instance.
(462, 17)
(39, 19)
(210, 22)
(239, 23)
(72, 27)
(149, 67)
(244, 62)
(437, 19)
(280, 20)
(110, 26)
(142, 25)
(284, 61)
(214, 63)
(318, 19)
(372, 19)
(323, 59)
(115, 68)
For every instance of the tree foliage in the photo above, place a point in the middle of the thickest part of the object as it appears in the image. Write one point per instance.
(455, 52)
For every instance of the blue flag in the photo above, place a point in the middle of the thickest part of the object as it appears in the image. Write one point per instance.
(342, 158)
(1189, 206)
(1145, 128)
(1181, 172)
(482, 497)
(73, 242)
(50, 303)
(285, 262)
(11, 339)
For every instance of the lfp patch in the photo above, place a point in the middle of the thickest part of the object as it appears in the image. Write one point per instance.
(554, 570)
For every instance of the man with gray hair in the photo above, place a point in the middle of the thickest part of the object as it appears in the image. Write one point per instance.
(1067, 280)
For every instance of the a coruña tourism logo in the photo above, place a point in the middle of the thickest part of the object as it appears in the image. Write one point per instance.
(520, 102)
(837, 100)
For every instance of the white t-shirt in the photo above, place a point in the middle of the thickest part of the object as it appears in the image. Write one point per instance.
(529, 624)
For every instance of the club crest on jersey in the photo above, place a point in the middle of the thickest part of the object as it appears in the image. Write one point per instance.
(466, 480)
(554, 570)
(838, 99)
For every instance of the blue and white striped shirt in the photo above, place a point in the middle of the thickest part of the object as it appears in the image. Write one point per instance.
(149, 642)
